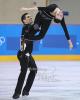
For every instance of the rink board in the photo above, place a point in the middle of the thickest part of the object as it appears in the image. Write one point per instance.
(44, 57)
(54, 46)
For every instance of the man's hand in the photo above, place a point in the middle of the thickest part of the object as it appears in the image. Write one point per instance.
(70, 44)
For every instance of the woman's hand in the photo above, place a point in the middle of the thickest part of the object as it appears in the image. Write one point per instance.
(70, 44)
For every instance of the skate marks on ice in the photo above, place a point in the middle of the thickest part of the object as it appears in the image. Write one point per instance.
(47, 97)
(54, 81)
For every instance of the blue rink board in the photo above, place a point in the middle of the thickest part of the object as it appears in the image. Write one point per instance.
(53, 43)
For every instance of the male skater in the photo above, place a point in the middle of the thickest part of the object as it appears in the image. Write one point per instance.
(43, 20)
(25, 58)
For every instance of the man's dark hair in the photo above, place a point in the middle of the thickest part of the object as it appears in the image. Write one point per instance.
(23, 17)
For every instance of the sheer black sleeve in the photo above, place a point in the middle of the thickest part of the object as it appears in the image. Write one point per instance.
(65, 29)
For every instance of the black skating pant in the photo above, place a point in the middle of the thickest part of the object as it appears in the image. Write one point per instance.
(25, 62)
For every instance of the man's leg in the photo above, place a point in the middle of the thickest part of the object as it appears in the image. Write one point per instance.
(31, 76)
(21, 78)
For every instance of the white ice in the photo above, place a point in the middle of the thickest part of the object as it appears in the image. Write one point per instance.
(55, 80)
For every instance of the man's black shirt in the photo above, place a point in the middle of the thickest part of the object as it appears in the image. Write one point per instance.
(26, 33)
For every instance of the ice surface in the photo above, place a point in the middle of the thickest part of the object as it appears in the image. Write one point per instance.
(55, 80)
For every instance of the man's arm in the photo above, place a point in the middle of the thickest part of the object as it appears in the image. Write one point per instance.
(43, 31)
(66, 33)
(22, 40)
(36, 37)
